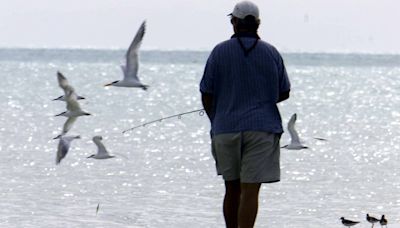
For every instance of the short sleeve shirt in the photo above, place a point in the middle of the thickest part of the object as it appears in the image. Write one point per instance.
(245, 88)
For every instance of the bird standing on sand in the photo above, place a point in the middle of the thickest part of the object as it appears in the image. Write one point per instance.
(63, 83)
(102, 152)
(130, 69)
(348, 223)
(63, 146)
(295, 143)
(383, 221)
(372, 220)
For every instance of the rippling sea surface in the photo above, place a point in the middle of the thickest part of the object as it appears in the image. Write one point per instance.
(168, 178)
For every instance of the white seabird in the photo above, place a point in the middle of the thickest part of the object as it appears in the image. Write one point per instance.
(295, 143)
(130, 69)
(63, 83)
(102, 152)
(63, 146)
(73, 107)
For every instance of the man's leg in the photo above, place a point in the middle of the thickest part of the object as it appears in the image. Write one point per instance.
(248, 206)
(231, 203)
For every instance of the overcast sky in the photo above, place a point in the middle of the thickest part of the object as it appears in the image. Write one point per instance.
(290, 25)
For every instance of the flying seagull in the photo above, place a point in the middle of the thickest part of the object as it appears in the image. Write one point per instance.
(102, 152)
(348, 223)
(295, 143)
(63, 147)
(130, 69)
(73, 107)
(63, 83)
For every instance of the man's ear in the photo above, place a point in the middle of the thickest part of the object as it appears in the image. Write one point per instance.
(233, 22)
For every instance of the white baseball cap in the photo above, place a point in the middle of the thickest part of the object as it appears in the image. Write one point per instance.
(245, 8)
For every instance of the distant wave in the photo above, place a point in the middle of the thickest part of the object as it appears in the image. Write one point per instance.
(189, 56)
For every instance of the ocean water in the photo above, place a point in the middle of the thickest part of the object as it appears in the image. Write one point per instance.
(168, 177)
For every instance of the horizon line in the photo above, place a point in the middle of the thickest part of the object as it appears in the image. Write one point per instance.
(194, 50)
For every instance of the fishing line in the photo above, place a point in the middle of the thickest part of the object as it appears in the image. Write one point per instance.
(200, 111)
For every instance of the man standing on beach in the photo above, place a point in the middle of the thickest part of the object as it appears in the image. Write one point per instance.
(243, 81)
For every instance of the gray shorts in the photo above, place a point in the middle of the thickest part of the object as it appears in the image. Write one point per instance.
(251, 156)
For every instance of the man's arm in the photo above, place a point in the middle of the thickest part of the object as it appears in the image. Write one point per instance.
(283, 96)
(207, 100)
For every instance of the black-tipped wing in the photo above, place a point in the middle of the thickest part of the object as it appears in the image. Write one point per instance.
(101, 149)
(292, 130)
(62, 81)
(68, 124)
(132, 56)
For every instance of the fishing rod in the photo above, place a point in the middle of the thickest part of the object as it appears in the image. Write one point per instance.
(200, 111)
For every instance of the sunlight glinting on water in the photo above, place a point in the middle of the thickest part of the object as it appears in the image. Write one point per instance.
(169, 178)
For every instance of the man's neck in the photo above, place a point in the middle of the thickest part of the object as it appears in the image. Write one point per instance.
(246, 34)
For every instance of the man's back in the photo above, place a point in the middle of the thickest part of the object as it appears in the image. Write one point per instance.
(245, 86)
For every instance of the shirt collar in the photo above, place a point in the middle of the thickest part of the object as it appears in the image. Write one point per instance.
(245, 34)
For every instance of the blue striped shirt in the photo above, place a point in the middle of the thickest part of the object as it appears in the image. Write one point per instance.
(245, 89)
